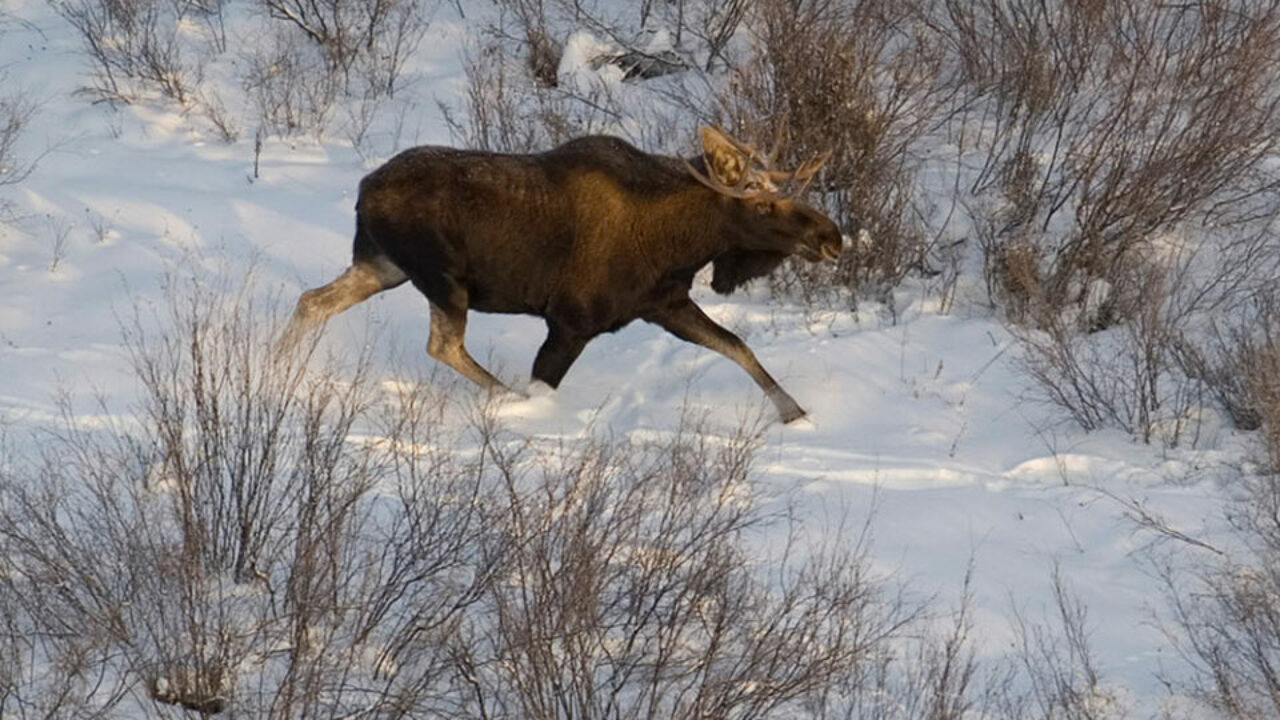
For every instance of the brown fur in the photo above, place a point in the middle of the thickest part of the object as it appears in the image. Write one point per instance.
(588, 236)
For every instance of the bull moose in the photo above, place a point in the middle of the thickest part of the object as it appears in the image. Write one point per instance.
(589, 236)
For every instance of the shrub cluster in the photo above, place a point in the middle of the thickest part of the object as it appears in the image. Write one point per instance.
(305, 59)
(234, 547)
(262, 539)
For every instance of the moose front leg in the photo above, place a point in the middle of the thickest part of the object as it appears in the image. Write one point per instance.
(557, 353)
(687, 322)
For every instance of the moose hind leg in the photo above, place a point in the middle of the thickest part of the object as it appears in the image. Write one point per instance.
(448, 327)
(687, 322)
(556, 355)
(358, 283)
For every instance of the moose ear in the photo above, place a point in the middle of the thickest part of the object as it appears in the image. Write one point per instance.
(724, 160)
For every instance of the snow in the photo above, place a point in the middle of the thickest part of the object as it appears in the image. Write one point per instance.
(917, 418)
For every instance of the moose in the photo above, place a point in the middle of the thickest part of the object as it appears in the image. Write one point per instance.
(589, 236)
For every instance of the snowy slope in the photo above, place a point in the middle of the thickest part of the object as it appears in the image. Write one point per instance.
(924, 421)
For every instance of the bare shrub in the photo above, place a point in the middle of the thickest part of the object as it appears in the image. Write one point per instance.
(1126, 376)
(211, 15)
(216, 112)
(39, 676)
(1014, 278)
(17, 109)
(231, 546)
(259, 537)
(311, 54)
(932, 671)
(495, 110)
(507, 111)
(1184, 327)
(714, 23)
(630, 591)
(1059, 664)
(863, 81)
(1259, 358)
(59, 230)
(1110, 131)
(696, 28)
(290, 88)
(1105, 124)
(1239, 363)
(134, 41)
(376, 36)
(516, 100)
(929, 672)
(542, 49)
(1224, 613)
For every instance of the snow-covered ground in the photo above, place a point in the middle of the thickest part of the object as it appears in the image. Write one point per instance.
(922, 419)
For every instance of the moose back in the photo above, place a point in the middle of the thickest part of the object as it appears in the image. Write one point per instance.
(589, 236)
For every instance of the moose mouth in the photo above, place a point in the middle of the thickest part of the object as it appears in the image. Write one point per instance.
(828, 252)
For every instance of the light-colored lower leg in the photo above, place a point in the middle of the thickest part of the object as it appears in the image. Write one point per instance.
(446, 345)
(688, 322)
(358, 283)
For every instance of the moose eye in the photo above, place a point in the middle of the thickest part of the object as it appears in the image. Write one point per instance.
(764, 207)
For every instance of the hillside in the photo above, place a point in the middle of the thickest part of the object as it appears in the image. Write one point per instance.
(923, 425)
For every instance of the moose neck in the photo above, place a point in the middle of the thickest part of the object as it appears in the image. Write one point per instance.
(689, 228)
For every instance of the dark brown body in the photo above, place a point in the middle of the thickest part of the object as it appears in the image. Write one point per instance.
(588, 236)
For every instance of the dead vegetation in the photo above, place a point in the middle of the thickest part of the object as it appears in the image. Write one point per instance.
(1223, 611)
(231, 547)
(264, 539)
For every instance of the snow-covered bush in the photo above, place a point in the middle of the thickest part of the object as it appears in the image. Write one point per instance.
(630, 591)
(268, 539)
(232, 546)
(937, 669)
(290, 89)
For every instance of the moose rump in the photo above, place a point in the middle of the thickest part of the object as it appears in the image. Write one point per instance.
(589, 236)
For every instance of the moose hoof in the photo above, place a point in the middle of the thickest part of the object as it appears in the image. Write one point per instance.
(788, 409)
(538, 388)
(504, 393)
(790, 415)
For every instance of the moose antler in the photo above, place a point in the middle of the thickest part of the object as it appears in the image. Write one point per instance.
(740, 189)
(804, 173)
(765, 179)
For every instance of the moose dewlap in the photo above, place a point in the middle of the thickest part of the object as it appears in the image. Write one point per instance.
(588, 236)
